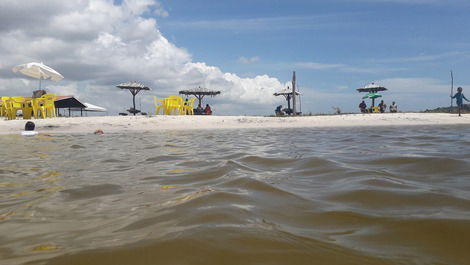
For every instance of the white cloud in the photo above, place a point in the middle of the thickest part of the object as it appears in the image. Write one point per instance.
(344, 68)
(97, 44)
(422, 58)
(315, 22)
(248, 60)
(415, 85)
(317, 66)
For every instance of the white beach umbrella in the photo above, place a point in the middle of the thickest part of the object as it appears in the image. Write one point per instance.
(39, 71)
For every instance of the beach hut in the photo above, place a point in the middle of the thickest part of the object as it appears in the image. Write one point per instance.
(372, 89)
(199, 93)
(134, 88)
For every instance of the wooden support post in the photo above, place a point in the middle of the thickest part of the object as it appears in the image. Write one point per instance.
(294, 111)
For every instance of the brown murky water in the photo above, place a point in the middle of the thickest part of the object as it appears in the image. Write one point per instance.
(397, 195)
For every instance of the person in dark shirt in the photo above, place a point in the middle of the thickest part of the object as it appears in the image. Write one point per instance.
(382, 106)
(279, 111)
(363, 107)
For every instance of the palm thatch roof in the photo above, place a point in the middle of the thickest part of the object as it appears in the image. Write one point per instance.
(372, 88)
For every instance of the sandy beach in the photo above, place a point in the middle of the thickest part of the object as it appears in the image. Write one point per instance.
(116, 124)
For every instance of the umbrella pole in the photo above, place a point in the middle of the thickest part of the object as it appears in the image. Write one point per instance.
(133, 102)
(288, 102)
(199, 101)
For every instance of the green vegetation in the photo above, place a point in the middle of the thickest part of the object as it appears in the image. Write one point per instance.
(466, 108)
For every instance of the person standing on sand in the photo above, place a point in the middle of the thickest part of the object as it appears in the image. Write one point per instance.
(459, 97)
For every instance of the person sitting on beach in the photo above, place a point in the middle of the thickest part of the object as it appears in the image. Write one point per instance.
(459, 97)
(288, 111)
(393, 107)
(279, 111)
(208, 110)
(29, 129)
(363, 107)
(382, 106)
(199, 110)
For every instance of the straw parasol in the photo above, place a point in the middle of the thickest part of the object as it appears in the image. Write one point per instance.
(199, 93)
(134, 88)
(372, 89)
(287, 93)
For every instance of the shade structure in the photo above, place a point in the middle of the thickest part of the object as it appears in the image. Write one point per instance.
(372, 88)
(372, 95)
(39, 71)
(287, 93)
(134, 88)
(199, 93)
(68, 102)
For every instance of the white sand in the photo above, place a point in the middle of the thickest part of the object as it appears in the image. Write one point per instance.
(115, 124)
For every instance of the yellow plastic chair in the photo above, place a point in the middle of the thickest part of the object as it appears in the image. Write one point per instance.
(175, 104)
(49, 104)
(27, 108)
(16, 104)
(189, 106)
(158, 107)
(2, 109)
(38, 107)
(375, 109)
(6, 107)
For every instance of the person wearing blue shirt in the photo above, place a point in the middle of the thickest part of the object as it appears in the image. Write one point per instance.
(459, 97)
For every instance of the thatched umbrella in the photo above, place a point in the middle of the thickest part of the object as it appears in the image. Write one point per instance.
(372, 89)
(287, 93)
(134, 88)
(199, 93)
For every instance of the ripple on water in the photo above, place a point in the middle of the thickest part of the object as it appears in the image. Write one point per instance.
(92, 191)
(327, 196)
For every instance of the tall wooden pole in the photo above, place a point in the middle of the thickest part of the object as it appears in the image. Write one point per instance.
(294, 111)
(451, 90)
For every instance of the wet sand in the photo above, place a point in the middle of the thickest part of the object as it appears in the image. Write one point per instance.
(116, 124)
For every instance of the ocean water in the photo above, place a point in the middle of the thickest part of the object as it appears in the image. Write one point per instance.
(395, 195)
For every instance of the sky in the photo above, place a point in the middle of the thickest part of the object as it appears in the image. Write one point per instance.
(246, 49)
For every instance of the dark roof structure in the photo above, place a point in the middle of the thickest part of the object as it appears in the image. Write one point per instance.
(68, 102)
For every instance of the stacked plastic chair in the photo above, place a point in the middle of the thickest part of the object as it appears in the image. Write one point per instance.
(37, 107)
(173, 105)
(189, 107)
(49, 105)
